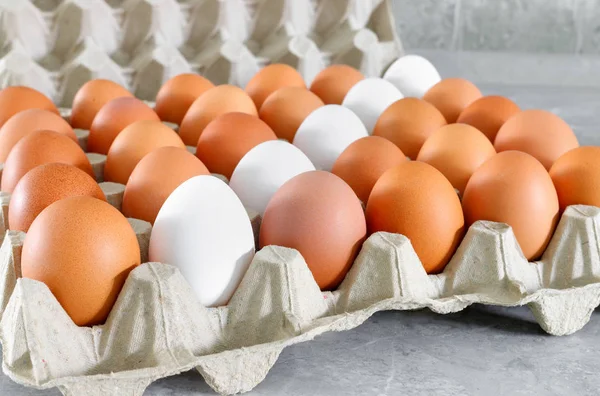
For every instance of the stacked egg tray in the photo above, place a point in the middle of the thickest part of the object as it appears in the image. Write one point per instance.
(55, 46)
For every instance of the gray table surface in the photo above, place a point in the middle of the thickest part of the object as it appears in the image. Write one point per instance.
(482, 350)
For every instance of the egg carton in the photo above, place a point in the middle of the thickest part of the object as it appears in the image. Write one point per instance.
(55, 46)
(158, 328)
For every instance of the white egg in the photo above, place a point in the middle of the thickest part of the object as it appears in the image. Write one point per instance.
(413, 75)
(204, 230)
(326, 133)
(369, 98)
(264, 169)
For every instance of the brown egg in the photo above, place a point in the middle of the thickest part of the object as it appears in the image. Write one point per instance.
(576, 176)
(333, 83)
(91, 97)
(540, 133)
(514, 188)
(488, 114)
(271, 78)
(286, 109)
(177, 95)
(408, 123)
(228, 138)
(414, 199)
(451, 96)
(112, 118)
(133, 143)
(38, 148)
(363, 162)
(19, 98)
(27, 121)
(83, 249)
(155, 177)
(44, 185)
(211, 104)
(457, 150)
(319, 215)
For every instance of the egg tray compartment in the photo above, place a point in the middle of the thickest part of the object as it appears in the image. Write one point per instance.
(157, 327)
(55, 46)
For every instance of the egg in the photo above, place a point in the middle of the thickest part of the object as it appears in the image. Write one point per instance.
(83, 249)
(514, 188)
(112, 118)
(204, 230)
(228, 138)
(38, 148)
(408, 123)
(18, 98)
(369, 98)
(211, 104)
(540, 133)
(264, 169)
(451, 96)
(457, 150)
(488, 114)
(271, 78)
(286, 109)
(413, 75)
(90, 98)
(44, 185)
(319, 215)
(363, 162)
(132, 144)
(177, 95)
(576, 177)
(27, 121)
(414, 199)
(333, 83)
(326, 133)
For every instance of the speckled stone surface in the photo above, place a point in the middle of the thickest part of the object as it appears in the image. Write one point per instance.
(479, 351)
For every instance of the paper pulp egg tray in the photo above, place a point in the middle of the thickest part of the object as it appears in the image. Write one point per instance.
(55, 46)
(157, 327)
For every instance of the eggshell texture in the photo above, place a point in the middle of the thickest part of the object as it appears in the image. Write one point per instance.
(319, 215)
(112, 118)
(369, 98)
(264, 169)
(27, 121)
(576, 176)
(451, 96)
(408, 123)
(83, 249)
(333, 83)
(91, 97)
(228, 138)
(287, 108)
(211, 104)
(177, 95)
(413, 75)
(204, 230)
(414, 199)
(457, 150)
(488, 114)
(38, 148)
(271, 78)
(132, 144)
(326, 133)
(18, 98)
(44, 185)
(363, 162)
(540, 133)
(155, 177)
(514, 188)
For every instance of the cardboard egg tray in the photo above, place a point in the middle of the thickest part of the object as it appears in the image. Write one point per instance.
(55, 46)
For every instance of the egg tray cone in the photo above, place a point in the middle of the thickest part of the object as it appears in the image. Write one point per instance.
(55, 46)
